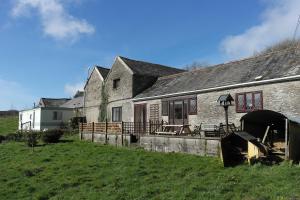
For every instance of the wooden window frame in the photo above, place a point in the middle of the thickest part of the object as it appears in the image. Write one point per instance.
(245, 110)
(189, 106)
(189, 112)
(113, 116)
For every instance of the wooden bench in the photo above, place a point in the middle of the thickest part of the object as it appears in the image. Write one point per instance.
(210, 130)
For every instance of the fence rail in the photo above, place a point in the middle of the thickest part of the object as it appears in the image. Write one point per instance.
(129, 128)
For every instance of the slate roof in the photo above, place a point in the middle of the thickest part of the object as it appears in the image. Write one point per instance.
(103, 71)
(74, 103)
(263, 67)
(51, 102)
(150, 69)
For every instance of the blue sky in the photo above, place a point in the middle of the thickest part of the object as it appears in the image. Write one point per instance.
(46, 46)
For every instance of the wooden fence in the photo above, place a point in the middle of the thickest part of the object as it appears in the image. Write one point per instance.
(127, 128)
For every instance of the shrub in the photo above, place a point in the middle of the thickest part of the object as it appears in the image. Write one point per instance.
(2, 138)
(31, 139)
(52, 136)
(14, 137)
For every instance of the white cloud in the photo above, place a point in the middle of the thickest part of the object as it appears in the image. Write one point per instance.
(56, 21)
(14, 96)
(71, 89)
(278, 23)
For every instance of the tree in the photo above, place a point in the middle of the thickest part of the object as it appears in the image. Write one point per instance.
(196, 65)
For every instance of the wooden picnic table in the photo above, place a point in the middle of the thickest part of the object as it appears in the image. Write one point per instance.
(167, 129)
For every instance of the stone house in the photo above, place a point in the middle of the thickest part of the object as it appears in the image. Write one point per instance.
(126, 79)
(140, 91)
(92, 93)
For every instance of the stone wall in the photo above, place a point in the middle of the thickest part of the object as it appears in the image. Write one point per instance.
(92, 97)
(127, 110)
(190, 145)
(167, 144)
(111, 139)
(280, 97)
(124, 91)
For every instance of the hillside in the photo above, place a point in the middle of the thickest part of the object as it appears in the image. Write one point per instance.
(8, 125)
(83, 170)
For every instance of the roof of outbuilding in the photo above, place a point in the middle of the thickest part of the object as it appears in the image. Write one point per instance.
(103, 71)
(150, 69)
(52, 102)
(74, 103)
(278, 64)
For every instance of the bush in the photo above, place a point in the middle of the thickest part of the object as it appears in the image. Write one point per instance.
(74, 122)
(52, 136)
(2, 138)
(31, 139)
(14, 137)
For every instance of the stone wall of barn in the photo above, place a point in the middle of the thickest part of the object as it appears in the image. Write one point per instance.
(92, 97)
(279, 97)
(124, 91)
(127, 110)
(121, 96)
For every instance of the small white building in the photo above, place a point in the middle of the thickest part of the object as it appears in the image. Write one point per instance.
(50, 114)
(42, 118)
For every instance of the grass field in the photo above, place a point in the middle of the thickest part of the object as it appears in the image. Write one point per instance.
(8, 125)
(82, 170)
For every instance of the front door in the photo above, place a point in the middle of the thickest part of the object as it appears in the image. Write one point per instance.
(140, 118)
(178, 112)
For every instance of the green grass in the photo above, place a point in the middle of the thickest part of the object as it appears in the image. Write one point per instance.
(8, 125)
(82, 170)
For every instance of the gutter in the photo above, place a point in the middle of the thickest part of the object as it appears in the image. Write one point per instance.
(253, 83)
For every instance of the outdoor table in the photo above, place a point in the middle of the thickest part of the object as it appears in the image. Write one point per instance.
(168, 127)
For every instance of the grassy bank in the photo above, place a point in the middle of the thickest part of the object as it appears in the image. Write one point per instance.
(82, 170)
(8, 125)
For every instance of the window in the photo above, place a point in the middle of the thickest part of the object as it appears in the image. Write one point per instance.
(165, 108)
(57, 115)
(193, 106)
(116, 83)
(249, 101)
(190, 106)
(117, 114)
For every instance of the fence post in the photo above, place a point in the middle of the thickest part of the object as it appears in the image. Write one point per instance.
(93, 130)
(162, 123)
(105, 131)
(81, 131)
(122, 124)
